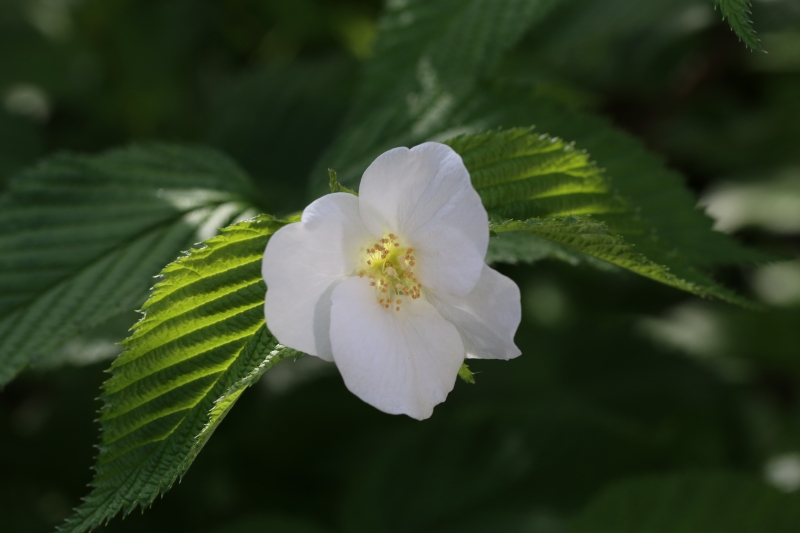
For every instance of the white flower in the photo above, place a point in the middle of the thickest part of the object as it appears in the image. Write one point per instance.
(391, 285)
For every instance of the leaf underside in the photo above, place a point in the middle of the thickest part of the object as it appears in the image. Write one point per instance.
(81, 237)
(201, 343)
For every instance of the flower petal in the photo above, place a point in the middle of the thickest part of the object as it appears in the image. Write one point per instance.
(303, 263)
(402, 362)
(487, 318)
(425, 196)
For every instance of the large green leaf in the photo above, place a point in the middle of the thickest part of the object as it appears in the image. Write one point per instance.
(546, 189)
(202, 341)
(657, 194)
(690, 503)
(737, 13)
(81, 237)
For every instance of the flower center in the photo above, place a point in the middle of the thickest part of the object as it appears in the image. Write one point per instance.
(389, 267)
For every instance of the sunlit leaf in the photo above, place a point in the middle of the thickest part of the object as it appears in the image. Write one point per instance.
(543, 187)
(201, 343)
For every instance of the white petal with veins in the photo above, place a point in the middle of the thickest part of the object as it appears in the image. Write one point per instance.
(302, 264)
(425, 195)
(400, 362)
(487, 318)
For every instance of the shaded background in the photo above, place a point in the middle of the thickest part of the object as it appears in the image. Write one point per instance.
(620, 376)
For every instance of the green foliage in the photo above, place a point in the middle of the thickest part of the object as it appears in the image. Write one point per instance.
(82, 236)
(419, 86)
(589, 403)
(541, 186)
(519, 174)
(428, 58)
(657, 194)
(275, 121)
(737, 13)
(271, 524)
(201, 342)
(336, 186)
(20, 145)
(585, 235)
(690, 503)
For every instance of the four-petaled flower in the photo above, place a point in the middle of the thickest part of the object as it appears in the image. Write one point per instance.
(391, 285)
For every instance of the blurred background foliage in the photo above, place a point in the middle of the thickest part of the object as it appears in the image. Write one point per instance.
(620, 378)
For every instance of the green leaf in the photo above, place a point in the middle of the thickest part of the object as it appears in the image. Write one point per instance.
(547, 189)
(519, 174)
(201, 343)
(336, 186)
(737, 13)
(419, 87)
(429, 56)
(657, 194)
(585, 235)
(690, 503)
(81, 237)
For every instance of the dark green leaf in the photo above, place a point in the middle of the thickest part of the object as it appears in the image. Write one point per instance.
(81, 237)
(690, 503)
(430, 55)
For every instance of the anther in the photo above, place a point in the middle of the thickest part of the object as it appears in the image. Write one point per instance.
(396, 308)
